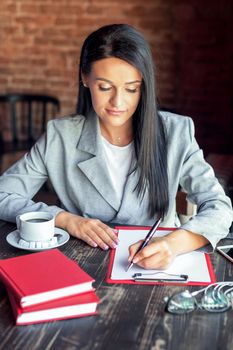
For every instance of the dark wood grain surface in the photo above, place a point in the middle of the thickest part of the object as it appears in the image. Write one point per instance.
(129, 316)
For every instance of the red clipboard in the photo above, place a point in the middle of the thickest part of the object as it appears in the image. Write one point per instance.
(189, 283)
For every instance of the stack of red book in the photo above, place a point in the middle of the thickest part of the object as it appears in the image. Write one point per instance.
(47, 286)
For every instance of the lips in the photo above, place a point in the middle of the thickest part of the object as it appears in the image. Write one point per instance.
(114, 112)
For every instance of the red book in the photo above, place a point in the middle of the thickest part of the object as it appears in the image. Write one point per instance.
(39, 277)
(74, 306)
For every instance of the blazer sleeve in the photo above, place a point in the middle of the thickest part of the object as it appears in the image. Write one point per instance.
(214, 210)
(21, 182)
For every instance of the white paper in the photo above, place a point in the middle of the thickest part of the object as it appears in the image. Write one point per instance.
(192, 264)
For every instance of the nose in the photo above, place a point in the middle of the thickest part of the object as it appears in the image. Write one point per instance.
(117, 99)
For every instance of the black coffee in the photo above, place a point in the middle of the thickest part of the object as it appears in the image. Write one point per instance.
(37, 220)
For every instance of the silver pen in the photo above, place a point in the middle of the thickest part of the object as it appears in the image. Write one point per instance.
(147, 239)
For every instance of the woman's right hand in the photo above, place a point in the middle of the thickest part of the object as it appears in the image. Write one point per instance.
(92, 231)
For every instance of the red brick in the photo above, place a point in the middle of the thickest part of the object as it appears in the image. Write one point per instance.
(40, 42)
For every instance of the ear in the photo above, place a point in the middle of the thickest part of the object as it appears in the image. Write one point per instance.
(84, 80)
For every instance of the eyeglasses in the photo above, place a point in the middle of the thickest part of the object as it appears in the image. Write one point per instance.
(217, 297)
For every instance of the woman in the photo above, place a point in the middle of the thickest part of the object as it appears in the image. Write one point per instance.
(119, 160)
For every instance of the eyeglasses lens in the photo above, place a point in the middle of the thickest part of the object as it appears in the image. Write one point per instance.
(181, 303)
(215, 302)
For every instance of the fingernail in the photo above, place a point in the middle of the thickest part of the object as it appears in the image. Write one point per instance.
(114, 245)
(135, 260)
(94, 245)
(105, 247)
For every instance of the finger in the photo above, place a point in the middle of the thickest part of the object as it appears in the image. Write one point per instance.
(112, 233)
(88, 235)
(157, 261)
(89, 241)
(157, 255)
(146, 252)
(133, 250)
(93, 236)
(97, 233)
(158, 246)
(102, 235)
(101, 238)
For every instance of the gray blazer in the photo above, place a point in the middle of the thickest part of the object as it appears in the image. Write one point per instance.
(70, 154)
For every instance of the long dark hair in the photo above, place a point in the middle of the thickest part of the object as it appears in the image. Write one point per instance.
(125, 42)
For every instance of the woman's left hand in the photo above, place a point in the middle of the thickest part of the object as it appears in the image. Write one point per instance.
(156, 255)
(161, 252)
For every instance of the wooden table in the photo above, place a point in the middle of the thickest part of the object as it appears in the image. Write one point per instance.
(130, 316)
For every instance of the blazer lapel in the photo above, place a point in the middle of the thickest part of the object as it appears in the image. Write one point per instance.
(93, 164)
(131, 206)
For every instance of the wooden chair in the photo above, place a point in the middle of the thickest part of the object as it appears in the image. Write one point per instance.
(223, 168)
(185, 209)
(23, 118)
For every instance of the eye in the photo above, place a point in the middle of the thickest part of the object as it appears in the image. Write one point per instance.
(104, 87)
(132, 89)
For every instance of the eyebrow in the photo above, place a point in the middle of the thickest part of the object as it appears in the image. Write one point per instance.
(110, 82)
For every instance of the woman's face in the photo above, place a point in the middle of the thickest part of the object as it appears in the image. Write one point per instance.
(115, 88)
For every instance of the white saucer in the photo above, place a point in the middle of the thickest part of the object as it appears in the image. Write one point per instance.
(13, 239)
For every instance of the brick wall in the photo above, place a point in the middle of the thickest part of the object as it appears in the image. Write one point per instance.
(40, 43)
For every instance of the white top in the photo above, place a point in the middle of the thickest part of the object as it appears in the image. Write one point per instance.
(118, 160)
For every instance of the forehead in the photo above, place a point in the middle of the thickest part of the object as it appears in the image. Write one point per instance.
(115, 70)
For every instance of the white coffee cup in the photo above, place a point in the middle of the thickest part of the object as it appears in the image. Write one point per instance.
(36, 226)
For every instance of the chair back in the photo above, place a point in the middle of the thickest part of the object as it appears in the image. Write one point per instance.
(25, 117)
